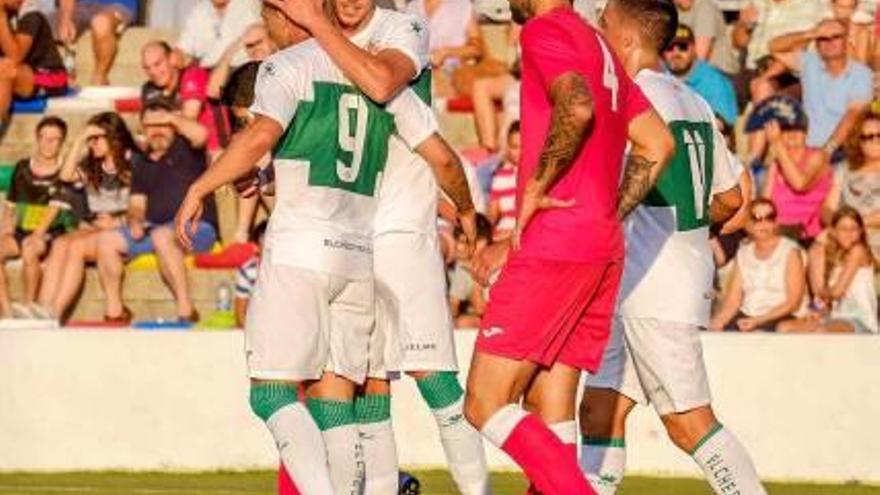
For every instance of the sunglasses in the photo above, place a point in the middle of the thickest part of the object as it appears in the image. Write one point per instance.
(869, 137)
(681, 46)
(827, 39)
(769, 217)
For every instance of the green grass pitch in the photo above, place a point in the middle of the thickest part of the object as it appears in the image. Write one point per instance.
(262, 483)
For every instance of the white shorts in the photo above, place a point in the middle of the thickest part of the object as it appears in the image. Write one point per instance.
(414, 329)
(301, 323)
(655, 361)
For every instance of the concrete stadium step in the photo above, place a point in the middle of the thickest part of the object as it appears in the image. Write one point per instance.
(143, 290)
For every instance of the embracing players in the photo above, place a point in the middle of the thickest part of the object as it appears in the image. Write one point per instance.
(382, 52)
(655, 353)
(312, 314)
(549, 313)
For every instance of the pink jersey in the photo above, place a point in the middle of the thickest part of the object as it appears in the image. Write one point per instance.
(554, 44)
(194, 86)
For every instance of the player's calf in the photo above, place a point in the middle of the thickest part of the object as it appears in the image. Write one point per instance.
(603, 415)
(295, 433)
(461, 442)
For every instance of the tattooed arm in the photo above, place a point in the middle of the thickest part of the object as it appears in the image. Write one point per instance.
(652, 147)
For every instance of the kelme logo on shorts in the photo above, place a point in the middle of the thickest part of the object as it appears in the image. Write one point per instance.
(492, 332)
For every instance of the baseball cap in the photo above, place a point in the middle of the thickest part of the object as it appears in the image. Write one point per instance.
(784, 109)
(684, 34)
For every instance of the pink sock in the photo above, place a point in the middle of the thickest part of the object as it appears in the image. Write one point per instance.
(546, 461)
(285, 484)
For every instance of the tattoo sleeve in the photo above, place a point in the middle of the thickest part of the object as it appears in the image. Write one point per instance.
(455, 185)
(636, 183)
(570, 123)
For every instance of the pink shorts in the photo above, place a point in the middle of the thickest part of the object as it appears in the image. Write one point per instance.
(549, 311)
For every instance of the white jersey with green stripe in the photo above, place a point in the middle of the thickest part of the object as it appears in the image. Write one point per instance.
(669, 264)
(409, 192)
(330, 161)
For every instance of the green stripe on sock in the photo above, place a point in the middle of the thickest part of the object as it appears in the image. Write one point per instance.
(715, 429)
(603, 442)
(440, 389)
(370, 409)
(331, 414)
(267, 398)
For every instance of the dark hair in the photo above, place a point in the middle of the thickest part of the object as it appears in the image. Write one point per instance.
(484, 229)
(763, 201)
(259, 231)
(513, 129)
(657, 20)
(158, 104)
(53, 121)
(834, 252)
(853, 145)
(121, 146)
(239, 89)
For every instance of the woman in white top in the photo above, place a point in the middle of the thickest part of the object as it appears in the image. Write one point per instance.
(841, 279)
(768, 282)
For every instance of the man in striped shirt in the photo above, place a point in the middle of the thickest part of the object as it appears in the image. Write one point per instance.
(502, 192)
(246, 278)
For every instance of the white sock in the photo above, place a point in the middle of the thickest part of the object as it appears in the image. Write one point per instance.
(336, 420)
(464, 450)
(373, 414)
(462, 444)
(726, 464)
(346, 457)
(302, 449)
(566, 431)
(603, 461)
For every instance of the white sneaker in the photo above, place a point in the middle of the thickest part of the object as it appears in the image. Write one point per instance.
(41, 312)
(22, 311)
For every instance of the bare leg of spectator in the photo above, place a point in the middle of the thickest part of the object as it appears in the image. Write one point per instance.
(8, 250)
(171, 263)
(53, 269)
(486, 91)
(105, 45)
(14, 80)
(111, 268)
(31, 251)
(247, 208)
(81, 250)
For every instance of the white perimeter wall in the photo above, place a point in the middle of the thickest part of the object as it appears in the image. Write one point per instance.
(807, 407)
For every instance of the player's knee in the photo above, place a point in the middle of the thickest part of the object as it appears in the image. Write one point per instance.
(103, 25)
(478, 408)
(267, 398)
(596, 418)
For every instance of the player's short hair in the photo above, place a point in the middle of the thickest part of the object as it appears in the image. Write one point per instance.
(657, 20)
(239, 89)
(53, 121)
(484, 229)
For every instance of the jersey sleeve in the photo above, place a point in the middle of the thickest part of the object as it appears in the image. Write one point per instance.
(415, 121)
(277, 92)
(408, 34)
(545, 46)
(636, 102)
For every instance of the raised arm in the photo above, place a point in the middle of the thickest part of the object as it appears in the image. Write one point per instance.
(379, 75)
(652, 148)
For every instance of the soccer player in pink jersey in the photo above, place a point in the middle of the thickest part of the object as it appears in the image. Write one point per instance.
(549, 312)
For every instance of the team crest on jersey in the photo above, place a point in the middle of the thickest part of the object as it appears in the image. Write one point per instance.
(269, 69)
(417, 27)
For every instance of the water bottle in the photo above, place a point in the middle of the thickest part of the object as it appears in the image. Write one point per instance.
(224, 297)
(409, 485)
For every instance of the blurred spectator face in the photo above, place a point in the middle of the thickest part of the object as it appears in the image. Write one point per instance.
(684, 4)
(869, 140)
(762, 221)
(159, 137)
(831, 41)
(847, 232)
(351, 13)
(49, 142)
(99, 145)
(844, 9)
(513, 148)
(257, 44)
(679, 57)
(158, 66)
(794, 138)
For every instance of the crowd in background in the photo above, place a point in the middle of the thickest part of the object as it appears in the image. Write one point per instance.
(792, 84)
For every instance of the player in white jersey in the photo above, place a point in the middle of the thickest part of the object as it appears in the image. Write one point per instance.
(655, 354)
(383, 52)
(311, 316)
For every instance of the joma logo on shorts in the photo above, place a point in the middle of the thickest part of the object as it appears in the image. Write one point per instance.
(347, 246)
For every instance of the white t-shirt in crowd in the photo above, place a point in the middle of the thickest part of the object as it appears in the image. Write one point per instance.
(207, 33)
